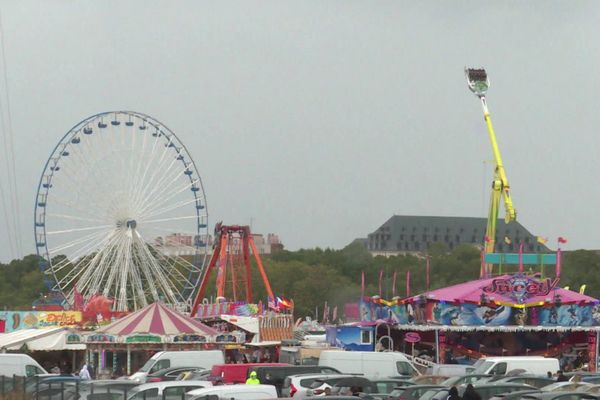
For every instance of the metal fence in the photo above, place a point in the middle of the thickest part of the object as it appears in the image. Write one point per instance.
(40, 388)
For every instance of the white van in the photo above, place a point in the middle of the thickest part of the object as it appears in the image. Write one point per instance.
(501, 365)
(168, 359)
(371, 364)
(20, 365)
(237, 392)
(449, 369)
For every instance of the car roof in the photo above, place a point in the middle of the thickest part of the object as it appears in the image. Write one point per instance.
(240, 388)
(550, 395)
(316, 375)
(164, 384)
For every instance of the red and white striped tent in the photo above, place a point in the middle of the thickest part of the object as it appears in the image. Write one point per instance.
(157, 319)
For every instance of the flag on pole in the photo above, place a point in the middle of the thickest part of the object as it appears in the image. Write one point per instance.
(394, 284)
(427, 273)
(521, 258)
(334, 315)
(487, 239)
(362, 284)
(482, 269)
(407, 283)
(507, 240)
(582, 289)
(562, 239)
(542, 240)
(558, 261)
(380, 279)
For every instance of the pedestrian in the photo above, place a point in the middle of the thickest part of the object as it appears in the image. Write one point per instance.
(55, 370)
(470, 393)
(549, 375)
(84, 374)
(253, 379)
(92, 372)
(453, 394)
(560, 377)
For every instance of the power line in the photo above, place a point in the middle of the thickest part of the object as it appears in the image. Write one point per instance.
(9, 136)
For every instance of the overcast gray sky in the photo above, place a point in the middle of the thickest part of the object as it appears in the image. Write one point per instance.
(321, 119)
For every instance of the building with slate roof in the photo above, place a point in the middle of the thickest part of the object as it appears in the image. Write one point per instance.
(403, 234)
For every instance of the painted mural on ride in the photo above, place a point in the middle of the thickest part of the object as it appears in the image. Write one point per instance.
(517, 299)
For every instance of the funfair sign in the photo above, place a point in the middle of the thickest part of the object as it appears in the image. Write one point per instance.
(520, 287)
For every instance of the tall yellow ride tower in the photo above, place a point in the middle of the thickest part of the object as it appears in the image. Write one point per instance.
(479, 83)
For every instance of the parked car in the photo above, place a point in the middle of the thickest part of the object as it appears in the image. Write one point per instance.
(275, 375)
(513, 395)
(465, 379)
(501, 365)
(168, 359)
(411, 392)
(237, 392)
(533, 380)
(565, 387)
(238, 373)
(559, 396)
(169, 374)
(429, 379)
(373, 364)
(170, 390)
(297, 386)
(354, 383)
(19, 365)
(489, 390)
(387, 385)
(199, 374)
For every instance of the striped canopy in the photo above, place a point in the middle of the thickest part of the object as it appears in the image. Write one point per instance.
(157, 319)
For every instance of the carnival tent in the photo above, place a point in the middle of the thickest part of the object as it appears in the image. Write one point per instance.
(157, 319)
(52, 339)
(510, 290)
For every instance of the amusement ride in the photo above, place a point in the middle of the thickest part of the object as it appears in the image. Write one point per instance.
(120, 211)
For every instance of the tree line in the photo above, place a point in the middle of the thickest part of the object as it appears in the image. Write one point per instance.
(312, 277)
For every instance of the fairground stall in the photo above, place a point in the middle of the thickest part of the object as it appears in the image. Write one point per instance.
(516, 314)
(129, 342)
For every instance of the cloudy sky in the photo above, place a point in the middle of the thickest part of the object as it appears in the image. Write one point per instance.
(319, 120)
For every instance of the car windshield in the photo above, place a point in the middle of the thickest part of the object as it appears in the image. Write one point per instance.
(481, 366)
(428, 395)
(146, 367)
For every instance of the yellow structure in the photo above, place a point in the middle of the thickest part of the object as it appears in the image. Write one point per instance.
(479, 83)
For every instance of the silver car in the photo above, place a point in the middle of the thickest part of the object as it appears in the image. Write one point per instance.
(169, 390)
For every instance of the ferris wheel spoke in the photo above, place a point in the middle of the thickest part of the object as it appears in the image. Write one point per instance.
(73, 207)
(75, 242)
(171, 207)
(153, 221)
(150, 163)
(96, 279)
(89, 228)
(168, 175)
(78, 256)
(84, 266)
(75, 218)
(158, 202)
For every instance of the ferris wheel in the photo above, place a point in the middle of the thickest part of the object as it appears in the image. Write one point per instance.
(120, 211)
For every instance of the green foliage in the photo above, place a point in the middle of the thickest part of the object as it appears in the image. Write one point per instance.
(314, 276)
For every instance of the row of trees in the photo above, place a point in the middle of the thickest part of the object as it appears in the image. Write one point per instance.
(314, 276)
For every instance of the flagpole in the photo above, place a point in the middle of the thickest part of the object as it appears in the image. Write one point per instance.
(427, 274)
(394, 285)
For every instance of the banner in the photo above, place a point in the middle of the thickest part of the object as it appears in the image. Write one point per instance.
(17, 320)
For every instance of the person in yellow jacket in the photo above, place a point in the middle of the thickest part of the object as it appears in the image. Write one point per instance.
(253, 380)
